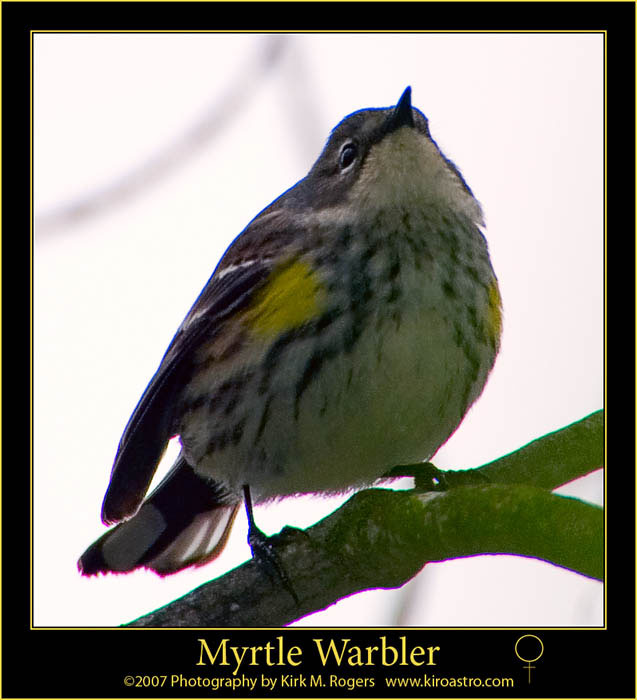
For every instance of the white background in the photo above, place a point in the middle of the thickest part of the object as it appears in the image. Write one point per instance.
(520, 114)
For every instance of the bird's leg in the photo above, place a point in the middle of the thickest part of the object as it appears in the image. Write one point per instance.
(262, 551)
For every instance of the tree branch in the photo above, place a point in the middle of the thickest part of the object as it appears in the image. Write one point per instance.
(381, 538)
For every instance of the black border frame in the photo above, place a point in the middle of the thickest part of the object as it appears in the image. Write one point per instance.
(91, 663)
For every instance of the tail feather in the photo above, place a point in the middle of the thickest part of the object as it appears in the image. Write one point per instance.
(184, 522)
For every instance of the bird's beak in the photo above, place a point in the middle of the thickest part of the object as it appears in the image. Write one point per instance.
(401, 114)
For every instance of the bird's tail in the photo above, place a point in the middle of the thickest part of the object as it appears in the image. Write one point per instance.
(184, 522)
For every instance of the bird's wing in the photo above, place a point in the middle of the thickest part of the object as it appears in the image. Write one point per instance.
(153, 421)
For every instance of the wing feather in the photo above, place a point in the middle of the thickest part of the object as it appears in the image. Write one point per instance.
(153, 421)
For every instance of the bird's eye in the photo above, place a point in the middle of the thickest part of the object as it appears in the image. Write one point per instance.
(348, 155)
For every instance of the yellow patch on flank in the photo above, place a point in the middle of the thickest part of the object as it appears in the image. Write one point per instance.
(292, 296)
(494, 316)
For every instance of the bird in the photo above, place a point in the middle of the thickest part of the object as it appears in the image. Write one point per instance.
(347, 329)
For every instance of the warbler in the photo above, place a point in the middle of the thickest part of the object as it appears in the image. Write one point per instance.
(346, 330)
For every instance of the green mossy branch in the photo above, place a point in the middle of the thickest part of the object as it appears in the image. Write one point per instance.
(554, 459)
(381, 538)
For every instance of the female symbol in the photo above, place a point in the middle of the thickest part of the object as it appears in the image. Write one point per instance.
(529, 647)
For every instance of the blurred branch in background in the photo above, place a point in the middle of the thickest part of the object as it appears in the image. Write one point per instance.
(175, 154)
